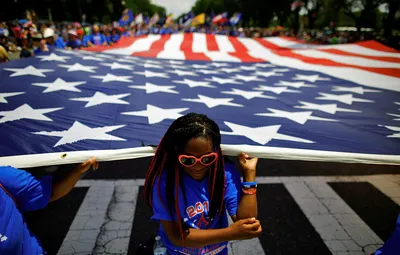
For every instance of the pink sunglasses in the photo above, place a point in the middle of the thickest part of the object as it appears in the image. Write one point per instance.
(205, 160)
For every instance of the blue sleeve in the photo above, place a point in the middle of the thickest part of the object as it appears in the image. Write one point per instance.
(103, 39)
(160, 212)
(30, 193)
(60, 44)
(392, 245)
(109, 40)
(85, 40)
(233, 188)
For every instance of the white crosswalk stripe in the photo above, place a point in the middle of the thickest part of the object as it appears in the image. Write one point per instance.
(104, 221)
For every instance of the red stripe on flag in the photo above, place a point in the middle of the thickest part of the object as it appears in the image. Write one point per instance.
(325, 62)
(155, 48)
(211, 43)
(345, 53)
(241, 51)
(269, 45)
(122, 43)
(186, 48)
(377, 46)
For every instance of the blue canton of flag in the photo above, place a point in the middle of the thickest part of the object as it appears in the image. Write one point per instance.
(69, 101)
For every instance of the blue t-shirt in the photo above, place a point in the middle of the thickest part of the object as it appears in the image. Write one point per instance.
(392, 245)
(74, 44)
(113, 38)
(195, 213)
(97, 39)
(30, 194)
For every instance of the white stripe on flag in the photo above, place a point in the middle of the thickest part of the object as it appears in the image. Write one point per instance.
(358, 49)
(281, 42)
(358, 61)
(199, 42)
(252, 45)
(221, 56)
(347, 73)
(141, 44)
(224, 44)
(172, 48)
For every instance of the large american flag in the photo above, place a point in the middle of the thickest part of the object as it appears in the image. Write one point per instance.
(64, 106)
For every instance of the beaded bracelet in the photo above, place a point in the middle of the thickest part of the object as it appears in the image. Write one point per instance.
(249, 192)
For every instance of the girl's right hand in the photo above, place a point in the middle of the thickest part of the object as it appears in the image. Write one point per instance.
(245, 229)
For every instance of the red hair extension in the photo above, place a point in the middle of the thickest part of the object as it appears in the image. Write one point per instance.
(223, 188)
(178, 213)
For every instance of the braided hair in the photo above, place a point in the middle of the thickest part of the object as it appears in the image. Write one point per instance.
(181, 131)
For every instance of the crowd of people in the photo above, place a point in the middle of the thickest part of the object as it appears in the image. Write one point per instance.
(28, 39)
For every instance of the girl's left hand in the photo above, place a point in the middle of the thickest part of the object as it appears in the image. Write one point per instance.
(247, 163)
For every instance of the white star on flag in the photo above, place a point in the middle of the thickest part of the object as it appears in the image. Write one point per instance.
(111, 77)
(357, 90)
(156, 115)
(328, 108)
(310, 78)
(78, 67)
(179, 67)
(393, 128)
(60, 84)
(218, 64)
(346, 98)
(212, 102)
(276, 90)
(29, 70)
(27, 112)
(199, 66)
(267, 74)
(79, 132)
(247, 94)
(264, 65)
(150, 65)
(248, 68)
(116, 65)
(93, 58)
(183, 73)
(223, 81)
(149, 74)
(153, 88)
(100, 98)
(105, 56)
(247, 78)
(281, 70)
(296, 85)
(395, 115)
(174, 62)
(128, 60)
(4, 95)
(261, 135)
(207, 71)
(149, 61)
(54, 57)
(230, 70)
(70, 52)
(298, 117)
(398, 103)
(195, 84)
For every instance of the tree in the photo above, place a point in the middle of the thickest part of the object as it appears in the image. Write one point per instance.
(394, 6)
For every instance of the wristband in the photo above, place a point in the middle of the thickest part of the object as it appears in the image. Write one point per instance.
(249, 192)
(249, 183)
(249, 186)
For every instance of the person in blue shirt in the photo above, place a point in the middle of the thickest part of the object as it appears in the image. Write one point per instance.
(96, 38)
(20, 192)
(392, 245)
(189, 188)
(48, 35)
(113, 37)
(73, 41)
